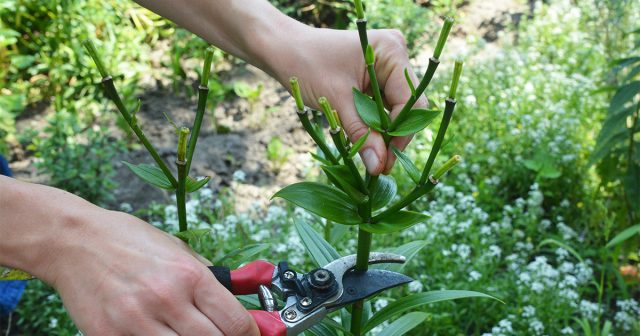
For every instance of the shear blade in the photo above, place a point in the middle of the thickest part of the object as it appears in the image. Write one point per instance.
(360, 285)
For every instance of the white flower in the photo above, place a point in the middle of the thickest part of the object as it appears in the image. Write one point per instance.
(474, 275)
(239, 175)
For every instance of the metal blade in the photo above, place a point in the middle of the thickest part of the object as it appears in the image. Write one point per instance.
(341, 266)
(359, 285)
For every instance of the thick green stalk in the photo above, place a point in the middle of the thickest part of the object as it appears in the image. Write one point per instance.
(306, 123)
(375, 87)
(446, 118)
(424, 83)
(203, 94)
(417, 192)
(181, 162)
(112, 93)
(338, 140)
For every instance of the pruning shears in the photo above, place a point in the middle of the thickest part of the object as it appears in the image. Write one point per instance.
(308, 297)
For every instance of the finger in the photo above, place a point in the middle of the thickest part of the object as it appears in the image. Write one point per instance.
(373, 152)
(159, 329)
(192, 321)
(223, 309)
(397, 93)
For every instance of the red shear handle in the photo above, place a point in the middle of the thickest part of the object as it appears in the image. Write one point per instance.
(247, 279)
(269, 323)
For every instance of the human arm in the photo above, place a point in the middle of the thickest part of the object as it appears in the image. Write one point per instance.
(327, 62)
(116, 274)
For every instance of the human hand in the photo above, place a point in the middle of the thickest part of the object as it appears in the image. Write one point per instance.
(118, 275)
(329, 63)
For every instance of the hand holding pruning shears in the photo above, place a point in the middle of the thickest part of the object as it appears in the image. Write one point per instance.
(310, 296)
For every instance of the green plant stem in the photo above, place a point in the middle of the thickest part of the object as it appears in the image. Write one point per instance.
(424, 83)
(446, 118)
(375, 87)
(339, 141)
(203, 93)
(181, 197)
(112, 93)
(306, 123)
(417, 192)
(362, 33)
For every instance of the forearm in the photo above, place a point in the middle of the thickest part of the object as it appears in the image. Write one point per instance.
(253, 30)
(33, 221)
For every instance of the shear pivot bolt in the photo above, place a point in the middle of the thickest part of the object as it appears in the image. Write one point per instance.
(290, 315)
(306, 302)
(289, 275)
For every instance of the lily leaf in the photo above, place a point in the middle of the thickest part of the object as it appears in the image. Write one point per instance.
(417, 300)
(383, 192)
(624, 235)
(395, 222)
(322, 200)
(150, 174)
(367, 109)
(241, 255)
(417, 120)
(407, 164)
(341, 177)
(404, 324)
(408, 250)
(320, 250)
(358, 144)
(192, 235)
(192, 184)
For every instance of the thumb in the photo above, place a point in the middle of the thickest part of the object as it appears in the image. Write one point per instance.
(373, 152)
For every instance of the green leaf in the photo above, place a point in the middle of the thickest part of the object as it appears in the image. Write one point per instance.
(358, 144)
(322, 200)
(417, 120)
(321, 252)
(383, 192)
(151, 174)
(605, 147)
(408, 250)
(342, 178)
(551, 241)
(241, 255)
(7, 274)
(192, 184)
(321, 159)
(367, 109)
(192, 235)
(624, 94)
(395, 222)
(404, 324)
(22, 61)
(407, 164)
(606, 328)
(409, 82)
(632, 185)
(416, 300)
(624, 235)
(249, 301)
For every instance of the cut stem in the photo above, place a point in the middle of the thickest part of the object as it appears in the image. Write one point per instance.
(450, 105)
(422, 86)
(181, 162)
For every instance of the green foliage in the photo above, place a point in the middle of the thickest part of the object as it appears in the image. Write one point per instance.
(277, 153)
(331, 13)
(41, 312)
(79, 161)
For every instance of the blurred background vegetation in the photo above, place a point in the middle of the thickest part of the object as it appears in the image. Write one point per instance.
(548, 127)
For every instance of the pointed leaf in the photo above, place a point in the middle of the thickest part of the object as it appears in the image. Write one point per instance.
(404, 324)
(417, 120)
(606, 328)
(367, 109)
(8, 274)
(321, 159)
(321, 252)
(395, 222)
(383, 192)
(604, 148)
(624, 94)
(409, 82)
(192, 184)
(342, 178)
(358, 144)
(551, 241)
(408, 250)
(624, 235)
(150, 174)
(192, 235)
(241, 255)
(407, 164)
(322, 200)
(417, 300)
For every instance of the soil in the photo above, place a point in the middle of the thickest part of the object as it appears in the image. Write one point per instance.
(249, 127)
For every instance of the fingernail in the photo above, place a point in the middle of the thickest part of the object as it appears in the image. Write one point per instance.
(371, 160)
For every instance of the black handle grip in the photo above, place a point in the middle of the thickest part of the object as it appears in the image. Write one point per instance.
(223, 274)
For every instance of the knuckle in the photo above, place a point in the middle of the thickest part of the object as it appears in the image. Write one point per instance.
(398, 38)
(162, 293)
(356, 129)
(128, 307)
(241, 324)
